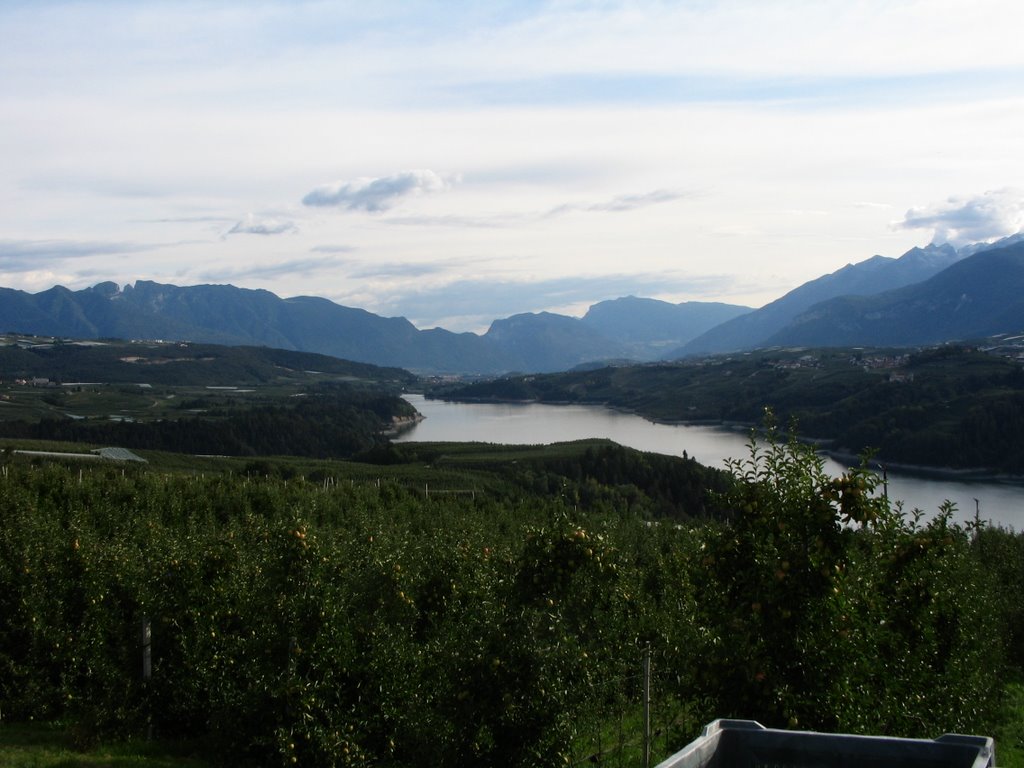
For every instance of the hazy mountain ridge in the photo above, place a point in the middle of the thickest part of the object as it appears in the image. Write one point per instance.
(928, 295)
(981, 295)
(874, 275)
(651, 327)
(226, 314)
(626, 328)
(544, 341)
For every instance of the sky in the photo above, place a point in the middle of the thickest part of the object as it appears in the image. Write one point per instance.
(456, 162)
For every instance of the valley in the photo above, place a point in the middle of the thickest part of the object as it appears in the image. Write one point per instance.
(302, 572)
(511, 385)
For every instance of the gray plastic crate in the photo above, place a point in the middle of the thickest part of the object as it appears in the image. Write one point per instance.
(748, 744)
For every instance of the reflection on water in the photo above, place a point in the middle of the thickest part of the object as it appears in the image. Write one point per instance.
(533, 424)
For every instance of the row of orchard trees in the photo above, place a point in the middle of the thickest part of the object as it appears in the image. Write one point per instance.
(368, 625)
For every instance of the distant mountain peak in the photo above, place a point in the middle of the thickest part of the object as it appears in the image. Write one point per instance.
(650, 327)
(108, 289)
(933, 253)
(871, 276)
(970, 250)
(977, 296)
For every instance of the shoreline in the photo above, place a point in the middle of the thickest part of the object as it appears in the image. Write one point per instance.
(967, 474)
(400, 424)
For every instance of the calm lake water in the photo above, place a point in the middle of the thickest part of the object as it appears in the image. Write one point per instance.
(534, 424)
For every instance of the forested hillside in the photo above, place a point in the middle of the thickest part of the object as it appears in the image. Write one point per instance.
(115, 361)
(322, 424)
(197, 398)
(950, 406)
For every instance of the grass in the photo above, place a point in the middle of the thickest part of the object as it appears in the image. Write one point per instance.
(50, 746)
(614, 737)
(1010, 734)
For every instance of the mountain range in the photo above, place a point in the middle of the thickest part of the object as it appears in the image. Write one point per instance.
(815, 309)
(927, 295)
(865, 278)
(225, 314)
(978, 296)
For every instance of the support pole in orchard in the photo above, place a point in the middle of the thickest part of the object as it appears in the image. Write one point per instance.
(147, 649)
(647, 705)
(146, 636)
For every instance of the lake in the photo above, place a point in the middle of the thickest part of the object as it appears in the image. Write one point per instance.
(536, 424)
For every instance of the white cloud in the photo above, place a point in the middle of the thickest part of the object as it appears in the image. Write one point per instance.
(973, 219)
(621, 203)
(30, 254)
(311, 266)
(332, 249)
(725, 43)
(401, 50)
(616, 204)
(375, 195)
(250, 225)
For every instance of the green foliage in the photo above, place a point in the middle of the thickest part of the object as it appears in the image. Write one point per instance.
(1002, 552)
(649, 484)
(367, 623)
(833, 611)
(337, 627)
(332, 423)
